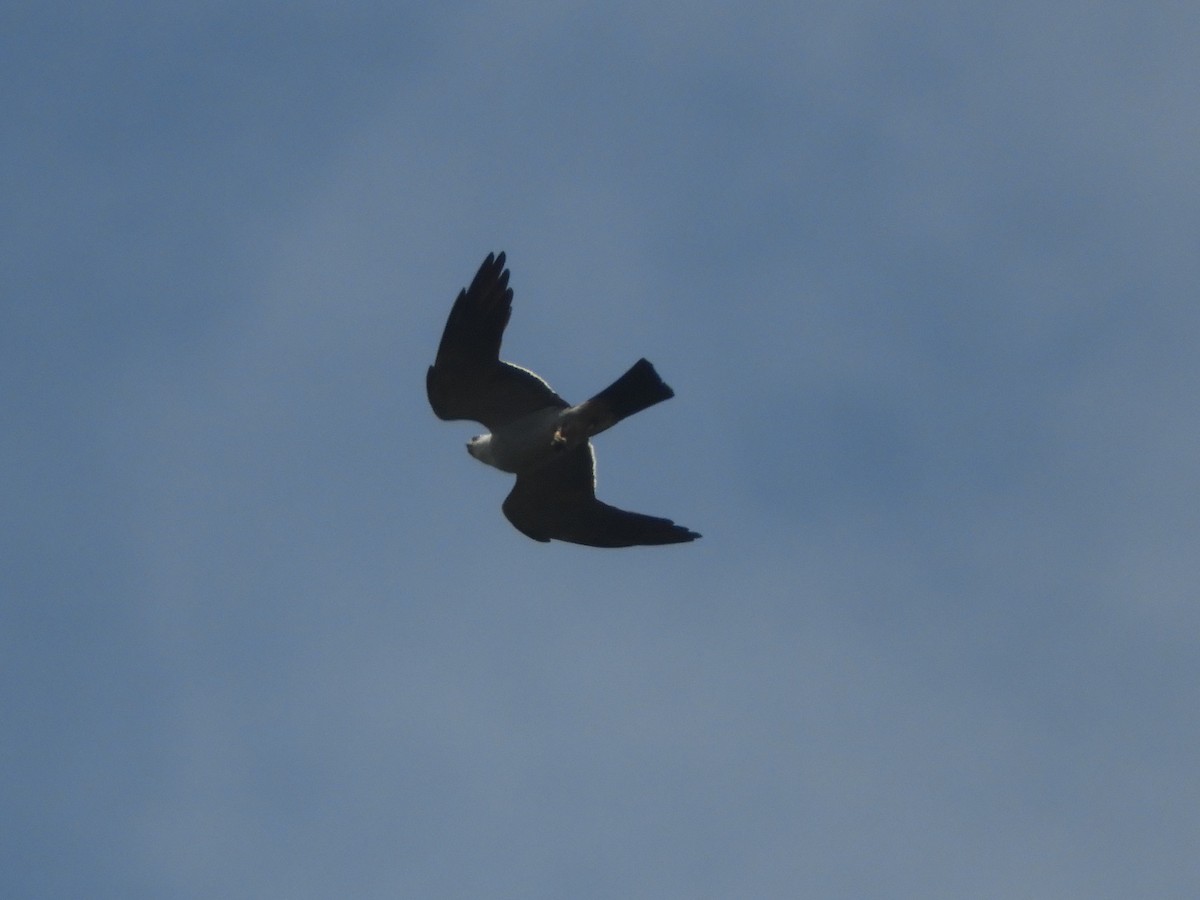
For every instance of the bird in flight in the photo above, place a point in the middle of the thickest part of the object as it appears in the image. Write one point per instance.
(535, 434)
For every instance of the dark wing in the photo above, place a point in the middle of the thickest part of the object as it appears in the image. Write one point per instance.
(468, 379)
(558, 501)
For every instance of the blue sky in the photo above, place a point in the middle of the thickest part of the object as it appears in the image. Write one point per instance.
(923, 278)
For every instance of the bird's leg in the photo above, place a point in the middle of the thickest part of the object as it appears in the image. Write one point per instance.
(568, 433)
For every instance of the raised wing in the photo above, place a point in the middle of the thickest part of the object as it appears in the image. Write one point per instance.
(558, 502)
(468, 380)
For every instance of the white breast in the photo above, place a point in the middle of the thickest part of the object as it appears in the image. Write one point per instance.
(520, 445)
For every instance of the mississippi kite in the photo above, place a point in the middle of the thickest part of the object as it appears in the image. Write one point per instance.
(535, 434)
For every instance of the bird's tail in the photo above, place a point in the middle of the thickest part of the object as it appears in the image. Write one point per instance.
(634, 391)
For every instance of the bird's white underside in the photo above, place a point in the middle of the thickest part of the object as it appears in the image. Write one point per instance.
(523, 444)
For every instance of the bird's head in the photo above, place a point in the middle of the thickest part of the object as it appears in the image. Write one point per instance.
(480, 447)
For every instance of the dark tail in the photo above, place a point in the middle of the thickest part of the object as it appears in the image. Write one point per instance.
(634, 391)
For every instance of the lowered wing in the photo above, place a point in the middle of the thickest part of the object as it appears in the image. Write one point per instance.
(558, 502)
